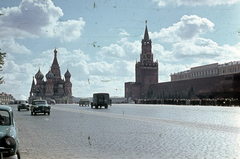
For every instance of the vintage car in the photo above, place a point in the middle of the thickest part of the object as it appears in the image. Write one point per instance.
(8, 134)
(23, 105)
(40, 106)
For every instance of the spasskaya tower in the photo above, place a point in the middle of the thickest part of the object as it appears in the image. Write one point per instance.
(146, 71)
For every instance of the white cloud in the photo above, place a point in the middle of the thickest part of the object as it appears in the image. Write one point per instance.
(112, 51)
(124, 50)
(33, 18)
(67, 31)
(17, 77)
(188, 28)
(10, 46)
(163, 3)
(123, 33)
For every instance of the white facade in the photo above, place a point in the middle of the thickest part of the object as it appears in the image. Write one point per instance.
(214, 69)
(6, 98)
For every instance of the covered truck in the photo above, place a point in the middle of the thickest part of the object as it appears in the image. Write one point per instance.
(84, 102)
(100, 99)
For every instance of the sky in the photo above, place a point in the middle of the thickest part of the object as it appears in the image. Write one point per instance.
(99, 41)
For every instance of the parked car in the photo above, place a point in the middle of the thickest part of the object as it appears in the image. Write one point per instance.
(8, 134)
(84, 102)
(23, 105)
(40, 106)
(100, 99)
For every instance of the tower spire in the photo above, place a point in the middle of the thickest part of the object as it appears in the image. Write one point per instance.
(146, 36)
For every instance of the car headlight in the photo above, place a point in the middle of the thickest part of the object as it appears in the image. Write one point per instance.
(10, 141)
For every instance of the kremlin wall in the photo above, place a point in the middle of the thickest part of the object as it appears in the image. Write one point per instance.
(213, 83)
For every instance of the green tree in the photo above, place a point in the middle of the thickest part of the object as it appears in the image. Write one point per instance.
(2, 55)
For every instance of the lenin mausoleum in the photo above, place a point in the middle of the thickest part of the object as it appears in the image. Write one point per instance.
(54, 88)
(212, 81)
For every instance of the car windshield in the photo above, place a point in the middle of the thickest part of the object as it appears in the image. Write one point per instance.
(23, 102)
(4, 117)
(40, 102)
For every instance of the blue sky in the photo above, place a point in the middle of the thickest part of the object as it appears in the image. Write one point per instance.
(99, 41)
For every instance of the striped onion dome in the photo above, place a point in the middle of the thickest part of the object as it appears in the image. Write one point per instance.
(49, 75)
(39, 75)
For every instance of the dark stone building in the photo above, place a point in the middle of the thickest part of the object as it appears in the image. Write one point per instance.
(54, 88)
(208, 81)
(146, 72)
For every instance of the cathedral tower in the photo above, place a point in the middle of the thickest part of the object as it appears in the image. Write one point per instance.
(55, 69)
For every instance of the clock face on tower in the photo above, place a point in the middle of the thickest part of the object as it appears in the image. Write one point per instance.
(148, 56)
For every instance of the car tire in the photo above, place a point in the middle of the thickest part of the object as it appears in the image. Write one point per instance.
(35, 113)
(18, 109)
(49, 113)
(18, 154)
(31, 113)
(44, 113)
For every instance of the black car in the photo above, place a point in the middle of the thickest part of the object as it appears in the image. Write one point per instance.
(23, 105)
(40, 106)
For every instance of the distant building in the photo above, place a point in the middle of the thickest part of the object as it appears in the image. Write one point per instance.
(211, 70)
(207, 81)
(54, 87)
(118, 100)
(6, 98)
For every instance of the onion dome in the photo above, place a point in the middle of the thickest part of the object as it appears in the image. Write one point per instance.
(67, 74)
(39, 75)
(49, 75)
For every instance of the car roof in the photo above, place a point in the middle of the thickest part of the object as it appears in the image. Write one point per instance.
(38, 100)
(5, 107)
(101, 93)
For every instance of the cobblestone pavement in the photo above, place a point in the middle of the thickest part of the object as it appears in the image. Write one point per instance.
(130, 132)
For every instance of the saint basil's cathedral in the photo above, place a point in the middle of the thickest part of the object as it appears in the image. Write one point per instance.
(54, 88)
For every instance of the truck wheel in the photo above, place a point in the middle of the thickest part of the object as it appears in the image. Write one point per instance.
(106, 106)
(96, 107)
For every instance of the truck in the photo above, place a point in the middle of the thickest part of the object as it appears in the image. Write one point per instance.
(100, 99)
(84, 102)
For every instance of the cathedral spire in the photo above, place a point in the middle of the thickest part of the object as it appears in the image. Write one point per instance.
(146, 36)
(33, 84)
(55, 69)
